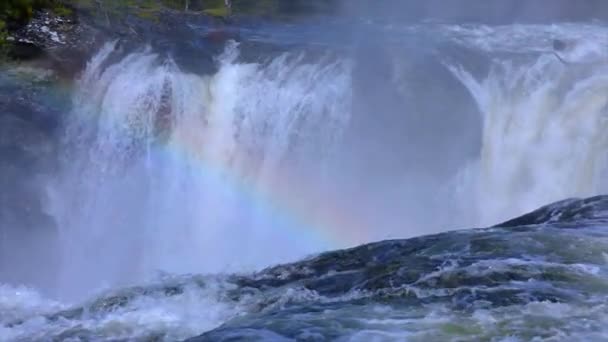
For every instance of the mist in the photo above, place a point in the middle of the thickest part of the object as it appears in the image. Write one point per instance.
(494, 12)
(303, 170)
(188, 153)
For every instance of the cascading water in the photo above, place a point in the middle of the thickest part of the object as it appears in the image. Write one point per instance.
(173, 172)
(543, 129)
(176, 172)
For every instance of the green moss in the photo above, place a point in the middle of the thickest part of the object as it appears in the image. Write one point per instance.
(3, 38)
(19, 12)
(62, 10)
(16, 13)
(151, 15)
(217, 12)
(3, 34)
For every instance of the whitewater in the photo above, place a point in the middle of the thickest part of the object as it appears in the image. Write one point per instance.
(174, 187)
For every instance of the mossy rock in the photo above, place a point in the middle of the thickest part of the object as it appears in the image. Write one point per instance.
(217, 12)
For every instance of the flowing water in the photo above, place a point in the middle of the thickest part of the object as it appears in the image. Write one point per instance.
(171, 164)
(325, 143)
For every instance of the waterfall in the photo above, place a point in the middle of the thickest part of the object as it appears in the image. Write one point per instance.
(544, 126)
(175, 172)
(260, 163)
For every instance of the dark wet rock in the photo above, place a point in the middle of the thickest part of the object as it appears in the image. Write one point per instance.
(46, 30)
(461, 271)
(569, 210)
(61, 43)
(332, 295)
(25, 50)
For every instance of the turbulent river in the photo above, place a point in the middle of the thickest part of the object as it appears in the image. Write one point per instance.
(184, 178)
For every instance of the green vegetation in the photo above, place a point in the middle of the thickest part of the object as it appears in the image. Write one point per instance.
(16, 13)
(3, 37)
(217, 12)
(151, 8)
(19, 12)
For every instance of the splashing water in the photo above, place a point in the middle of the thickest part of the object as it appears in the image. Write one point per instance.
(177, 172)
(543, 131)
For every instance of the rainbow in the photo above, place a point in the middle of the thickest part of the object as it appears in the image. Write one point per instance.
(285, 199)
(329, 225)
